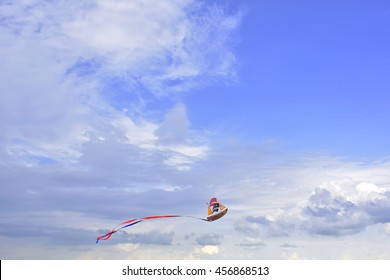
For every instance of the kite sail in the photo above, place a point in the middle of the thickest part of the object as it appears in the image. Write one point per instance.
(216, 210)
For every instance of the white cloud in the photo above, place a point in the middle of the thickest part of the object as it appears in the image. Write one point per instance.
(329, 214)
(209, 250)
(367, 191)
(141, 135)
(160, 45)
(70, 54)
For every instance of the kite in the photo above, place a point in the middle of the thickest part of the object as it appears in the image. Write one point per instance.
(215, 210)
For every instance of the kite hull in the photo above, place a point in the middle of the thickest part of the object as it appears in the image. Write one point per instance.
(217, 215)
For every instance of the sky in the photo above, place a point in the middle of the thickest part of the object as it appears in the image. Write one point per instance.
(111, 110)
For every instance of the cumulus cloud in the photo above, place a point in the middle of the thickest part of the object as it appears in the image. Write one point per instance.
(346, 207)
(335, 208)
(328, 214)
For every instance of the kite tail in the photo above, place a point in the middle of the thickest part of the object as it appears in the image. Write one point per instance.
(119, 227)
(105, 237)
(133, 222)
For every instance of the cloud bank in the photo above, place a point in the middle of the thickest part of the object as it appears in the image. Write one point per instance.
(342, 206)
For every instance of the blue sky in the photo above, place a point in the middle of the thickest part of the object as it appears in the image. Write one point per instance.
(312, 75)
(118, 109)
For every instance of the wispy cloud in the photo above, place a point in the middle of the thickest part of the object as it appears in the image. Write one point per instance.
(160, 46)
(72, 56)
(76, 81)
